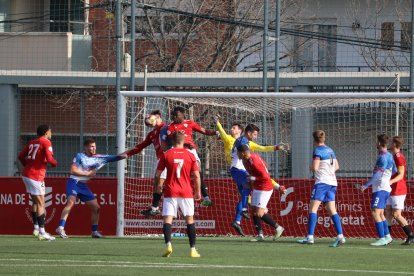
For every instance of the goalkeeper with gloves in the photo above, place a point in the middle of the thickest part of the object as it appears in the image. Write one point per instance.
(237, 170)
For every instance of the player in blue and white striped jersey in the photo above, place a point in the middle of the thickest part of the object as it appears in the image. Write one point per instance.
(84, 167)
(381, 189)
(324, 166)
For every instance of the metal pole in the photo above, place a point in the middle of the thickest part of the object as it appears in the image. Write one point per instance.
(397, 107)
(132, 107)
(411, 107)
(277, 38)
(276, 85)
(82, 118)
(120, 122)
(265, 35)
(132, 80)
(144, 127)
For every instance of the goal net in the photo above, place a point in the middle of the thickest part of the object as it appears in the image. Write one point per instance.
(351, 122)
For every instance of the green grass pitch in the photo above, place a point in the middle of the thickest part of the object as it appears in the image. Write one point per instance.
(24, 255)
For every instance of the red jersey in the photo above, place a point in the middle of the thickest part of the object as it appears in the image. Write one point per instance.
(179, 163)
(399, 188)
(153, 137)
(35, 156)
(187, 127)
(257, 167)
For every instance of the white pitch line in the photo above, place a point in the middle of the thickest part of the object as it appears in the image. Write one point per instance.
(100, 263)
(293, 244)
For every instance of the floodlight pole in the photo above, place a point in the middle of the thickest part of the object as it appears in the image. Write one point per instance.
(276, 84)
(410, 143)
(120, 123)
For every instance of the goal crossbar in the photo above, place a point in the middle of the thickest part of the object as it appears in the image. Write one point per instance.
(284, 95)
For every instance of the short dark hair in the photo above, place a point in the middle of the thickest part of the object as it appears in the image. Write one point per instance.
(398, 141)
(251, 128)
(156, 112)
(178, 137)
(88, 141)
(319, 136)
(178, 109)
(243, 148)
(382, 139)
(238, 125)
(42, 129)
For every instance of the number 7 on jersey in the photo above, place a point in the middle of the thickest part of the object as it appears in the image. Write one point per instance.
(180, 163)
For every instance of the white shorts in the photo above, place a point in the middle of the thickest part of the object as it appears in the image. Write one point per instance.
(170, 206)
(193, 151)
(164, 172)
(396, 202)
(261, 198)
(34, 187)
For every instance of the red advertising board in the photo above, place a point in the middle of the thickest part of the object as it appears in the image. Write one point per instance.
(15, 207)
(290, 210)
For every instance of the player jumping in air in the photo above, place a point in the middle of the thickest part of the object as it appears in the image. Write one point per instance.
(34, 157)
(237, 170)
(153, 137)
(187, 127)
(380, 181)
(324, 166)
(84, 167)
(262, 190)
(181, 164)
(395, 203)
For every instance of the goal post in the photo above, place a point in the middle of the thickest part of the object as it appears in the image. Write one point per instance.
(350, 120)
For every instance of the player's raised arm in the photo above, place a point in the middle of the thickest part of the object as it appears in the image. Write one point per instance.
(139, 147)
(197, 128)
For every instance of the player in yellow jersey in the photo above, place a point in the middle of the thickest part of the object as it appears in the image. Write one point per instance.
(237, 170)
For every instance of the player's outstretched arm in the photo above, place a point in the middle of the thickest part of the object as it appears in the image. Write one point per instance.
(74, 170)
(138, 148)
(376, 176)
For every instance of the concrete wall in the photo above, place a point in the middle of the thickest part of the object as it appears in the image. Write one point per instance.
(36, 51)
(9, 121)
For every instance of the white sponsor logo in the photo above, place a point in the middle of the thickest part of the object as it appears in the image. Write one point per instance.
(158, 223)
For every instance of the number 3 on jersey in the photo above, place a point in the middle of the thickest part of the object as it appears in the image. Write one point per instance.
(180, 163)
(33, 148)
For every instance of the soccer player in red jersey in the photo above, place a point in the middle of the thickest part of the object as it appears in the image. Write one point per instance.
(34, 157)
(181, 166)
(153, 137)
(395, 203)
(187, 127)
(262, 190)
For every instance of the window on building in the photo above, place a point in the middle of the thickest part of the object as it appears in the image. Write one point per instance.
(303, 50)
(387, 35)
(327, 49)
(67, 16)
(406, 35)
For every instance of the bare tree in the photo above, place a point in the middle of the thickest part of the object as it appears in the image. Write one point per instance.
(171, 41)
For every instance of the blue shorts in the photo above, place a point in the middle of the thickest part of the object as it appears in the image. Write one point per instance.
(76, 188)
(323, 192)
(240, 177)
(379, 199)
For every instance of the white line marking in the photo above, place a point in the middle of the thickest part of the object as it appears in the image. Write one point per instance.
(127, 264)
